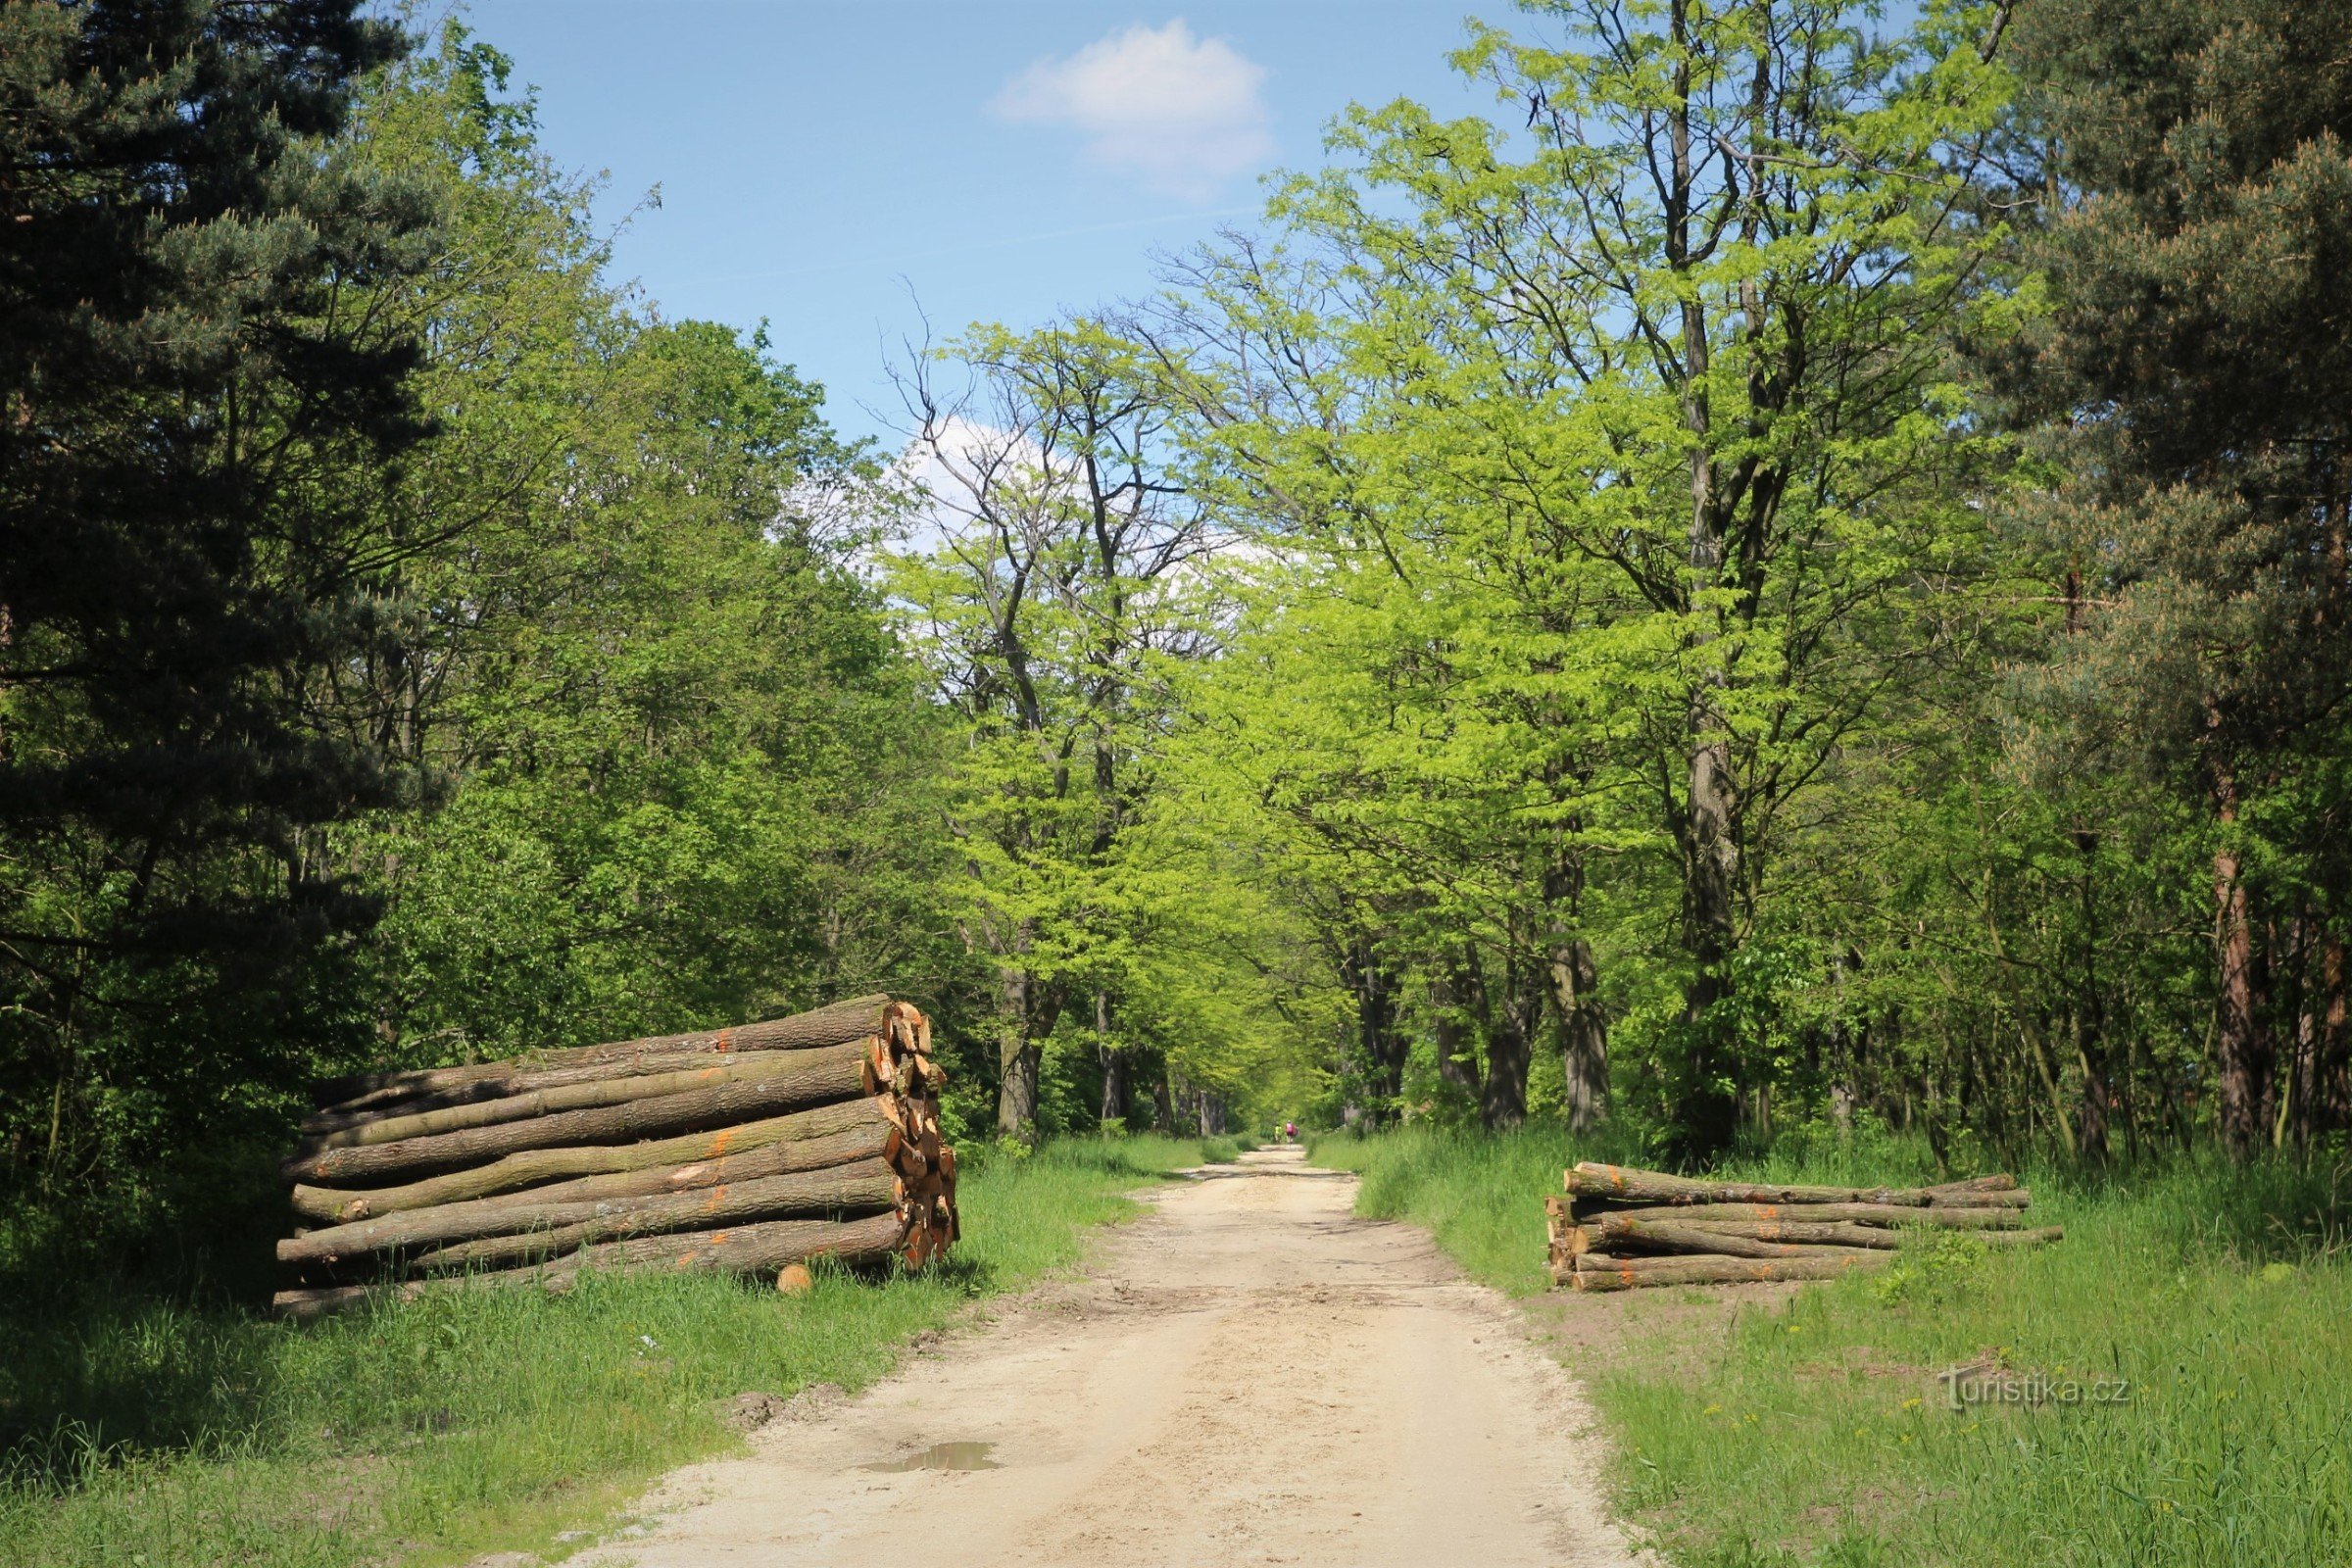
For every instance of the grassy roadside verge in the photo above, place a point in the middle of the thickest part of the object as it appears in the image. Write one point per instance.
(429, 1432)
(1809, 1426)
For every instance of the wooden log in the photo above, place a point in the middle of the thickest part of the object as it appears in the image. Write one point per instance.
(713, 1071)
(834, 1024)
(1598, 1271)
(839, 1191)
(562, 1202)
(523, 1081)
(1654, 1235)
(1999, 1181)
(813, 1078)
(1852, 1214)
(534, 1167)
(1617, 1230)
(763, 1249)
(1624, 1183)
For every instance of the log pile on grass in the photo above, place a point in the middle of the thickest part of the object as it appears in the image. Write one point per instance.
(749, 1150)
(1620, 1229)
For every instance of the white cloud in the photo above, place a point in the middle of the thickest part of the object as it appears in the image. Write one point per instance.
(1184, 113)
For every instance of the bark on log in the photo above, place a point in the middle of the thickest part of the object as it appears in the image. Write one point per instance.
(747, 1248)
(1627, 1184)
(834, 1024)
(1652, 1236)
(1617, 1230)
(607, 1091)
(523, 1081)
(332, 1205)
(1943, 1218)
(842, 1191)
(1595, 1271)
(813, 1078)
(564, 1203)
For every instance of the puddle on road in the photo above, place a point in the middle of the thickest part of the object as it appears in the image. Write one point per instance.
(943, 1456)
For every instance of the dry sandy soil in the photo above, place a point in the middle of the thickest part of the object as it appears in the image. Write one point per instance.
(1250, 1375)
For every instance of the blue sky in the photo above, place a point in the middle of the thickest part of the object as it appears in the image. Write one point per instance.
(827, 166)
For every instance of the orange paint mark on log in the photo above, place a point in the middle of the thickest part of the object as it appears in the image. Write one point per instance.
(719, 1142)
(727, 1039)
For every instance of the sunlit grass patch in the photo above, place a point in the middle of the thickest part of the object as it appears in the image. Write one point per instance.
(146, 1434)
(1813, 1427)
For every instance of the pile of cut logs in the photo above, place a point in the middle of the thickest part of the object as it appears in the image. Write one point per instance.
(745, 1149)
(1619, 1229)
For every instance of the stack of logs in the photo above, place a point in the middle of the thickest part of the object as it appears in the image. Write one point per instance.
(745, 1149)
(1619, 1229)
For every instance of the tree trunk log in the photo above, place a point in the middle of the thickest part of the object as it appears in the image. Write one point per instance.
(746, 1249)
(836, 1024)
(1618, 1232)
(567, 1202)
(1595, 1271)
(1652, 1236)
(709, 1072)
(529, 1169)
(842, 1191)
(813, 1078)
(1624, 1183)
(1879, 1214)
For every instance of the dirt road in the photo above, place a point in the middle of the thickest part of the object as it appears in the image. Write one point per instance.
(1250, 1375)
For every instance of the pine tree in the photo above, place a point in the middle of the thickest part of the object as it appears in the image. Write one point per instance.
(193, 416)
(2197, 384)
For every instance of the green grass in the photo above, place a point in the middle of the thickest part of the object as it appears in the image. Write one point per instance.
(1220, 1150)
(148, 1434)
(1755, 1430)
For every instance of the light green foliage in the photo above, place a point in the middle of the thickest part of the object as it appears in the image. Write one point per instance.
(641, 666)
(1607, 494)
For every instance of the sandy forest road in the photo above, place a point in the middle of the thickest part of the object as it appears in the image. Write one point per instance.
(1248, 1375)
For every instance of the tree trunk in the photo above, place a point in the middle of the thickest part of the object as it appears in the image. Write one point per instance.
(1774, 1238)
(743, 1249)
(834, 1024)
(392, 1129)
(1508, 1024)
(1707, 1106)
(2090, 1033)
(495, 1234)
(1450, 992)
(1584, 1033)
(1114, 1061)
(567, 1202)
(2240, 1044)
(1016, 1057)
(1624, 1183)
(2333, 1059)
(1939, 1216)
(1378, 1041)
(815, 1078)
(1592, 1271)
(842, 1191)
(851, 1118)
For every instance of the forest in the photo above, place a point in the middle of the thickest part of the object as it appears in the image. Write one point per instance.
(1793, 576)
(1787, 582)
